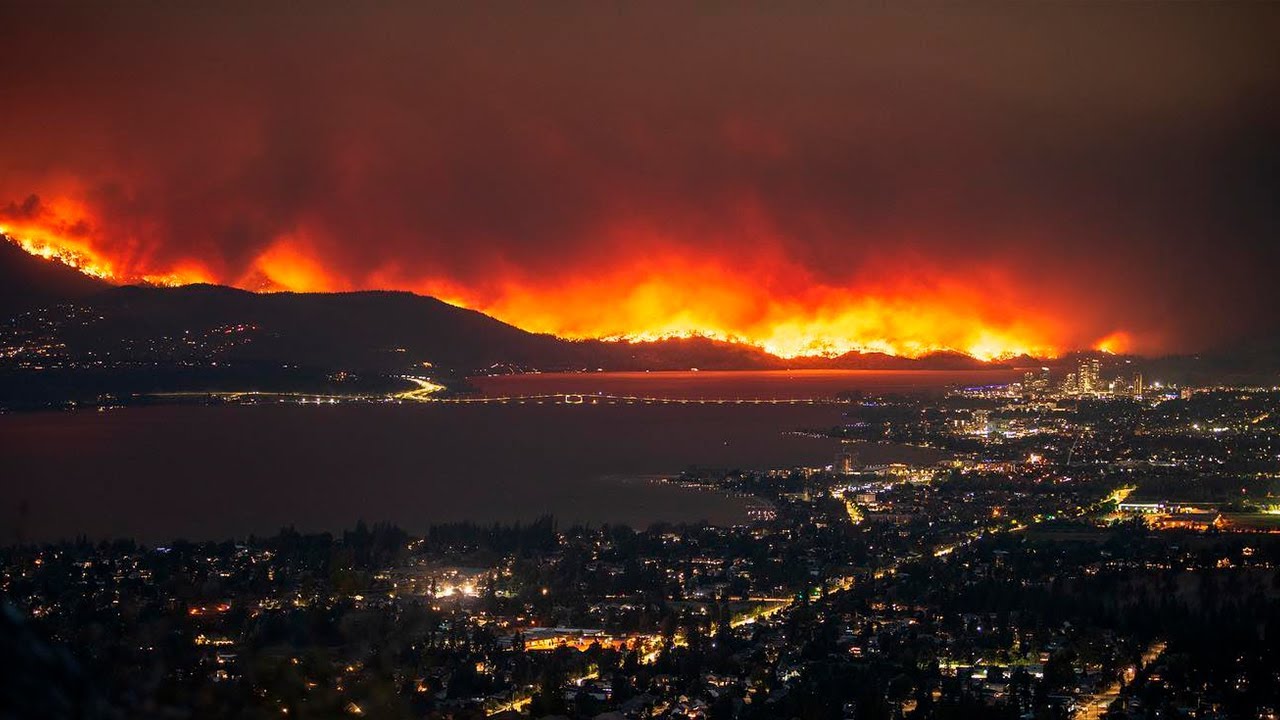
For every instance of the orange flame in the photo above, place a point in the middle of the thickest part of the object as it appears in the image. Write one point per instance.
(56, 234)
(766, 301)
(1116, 343)
(288, 265)
(59, 232)
(681, 301)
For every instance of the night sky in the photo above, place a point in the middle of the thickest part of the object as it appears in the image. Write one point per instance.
(991, 179)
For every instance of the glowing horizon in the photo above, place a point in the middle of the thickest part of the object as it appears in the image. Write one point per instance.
(809, 183)
(824, 321)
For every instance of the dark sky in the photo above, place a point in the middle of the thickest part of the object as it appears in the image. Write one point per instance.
(1008, 177)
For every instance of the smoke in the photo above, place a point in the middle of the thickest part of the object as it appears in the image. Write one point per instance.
(1032, 179)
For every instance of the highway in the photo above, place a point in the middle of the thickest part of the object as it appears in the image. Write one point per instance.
(1093, 706)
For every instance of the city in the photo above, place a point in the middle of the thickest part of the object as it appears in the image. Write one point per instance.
(639, 361)
(1077, 553)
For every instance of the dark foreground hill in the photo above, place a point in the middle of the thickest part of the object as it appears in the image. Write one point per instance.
(68, 336)
(28, 281)
(375, 332)
(363, 331)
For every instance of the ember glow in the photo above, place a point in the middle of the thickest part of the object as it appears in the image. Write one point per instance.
(59, 235)
(60, 232)
(778, 309)
(810, 182)
(785, 312)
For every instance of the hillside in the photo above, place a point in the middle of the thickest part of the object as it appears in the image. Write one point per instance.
(390, 332)
(73, 336)
(28, 281)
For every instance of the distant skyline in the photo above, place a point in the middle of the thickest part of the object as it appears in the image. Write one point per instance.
(991, 179)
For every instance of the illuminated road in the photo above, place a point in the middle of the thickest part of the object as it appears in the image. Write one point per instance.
(941, 550)
(1093, 706)
(522, 699)
(427, 391)
(234, 395)
(774, 608)
(768, 607)
(578, 399)
(422, 393)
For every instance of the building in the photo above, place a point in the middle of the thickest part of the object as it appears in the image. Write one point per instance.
(1089, 375)
(844, 463)
(1036, 381)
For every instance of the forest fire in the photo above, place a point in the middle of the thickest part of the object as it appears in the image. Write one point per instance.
(704, 190)
(775, 309)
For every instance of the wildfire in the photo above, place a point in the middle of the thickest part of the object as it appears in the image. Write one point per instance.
(780, 311)
(774, 306)
(59, 232)
(85, 260)
(1116, 342)
(64, 252)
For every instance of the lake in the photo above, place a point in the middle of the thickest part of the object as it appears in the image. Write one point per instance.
(202, 472)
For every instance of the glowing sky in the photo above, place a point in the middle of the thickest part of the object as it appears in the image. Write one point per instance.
(988, 179)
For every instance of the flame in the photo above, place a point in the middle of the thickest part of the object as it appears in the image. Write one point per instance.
(1116, 343)
(780, 310)
(56, 234)
(83, 258)
(59, 232)
(66, 253)
(288, 265)
(762, 299)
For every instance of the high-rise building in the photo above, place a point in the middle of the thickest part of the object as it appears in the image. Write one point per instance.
(1036, 381)
(1089, 375)
(1137, 385)
(844, 463)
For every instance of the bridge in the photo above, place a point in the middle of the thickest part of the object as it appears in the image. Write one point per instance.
(427, 392)
(586, 399)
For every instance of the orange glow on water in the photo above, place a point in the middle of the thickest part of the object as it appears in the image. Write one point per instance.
(763, 299)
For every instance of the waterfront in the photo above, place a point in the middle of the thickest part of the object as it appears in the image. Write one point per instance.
(208, 472)
(963, 567)
(217, 471)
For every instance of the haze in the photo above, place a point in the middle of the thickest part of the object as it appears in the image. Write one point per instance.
(1033, 179)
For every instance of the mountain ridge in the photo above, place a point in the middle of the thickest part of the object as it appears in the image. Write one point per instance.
(42, 281)
(87, 336)
(27, 280)
(91, 340)
(365, 329)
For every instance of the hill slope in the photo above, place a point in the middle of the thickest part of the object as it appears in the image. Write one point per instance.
(365, 331)
(394, 332)
(28, 281)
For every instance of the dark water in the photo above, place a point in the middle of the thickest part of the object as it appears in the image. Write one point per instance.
(220, 471)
